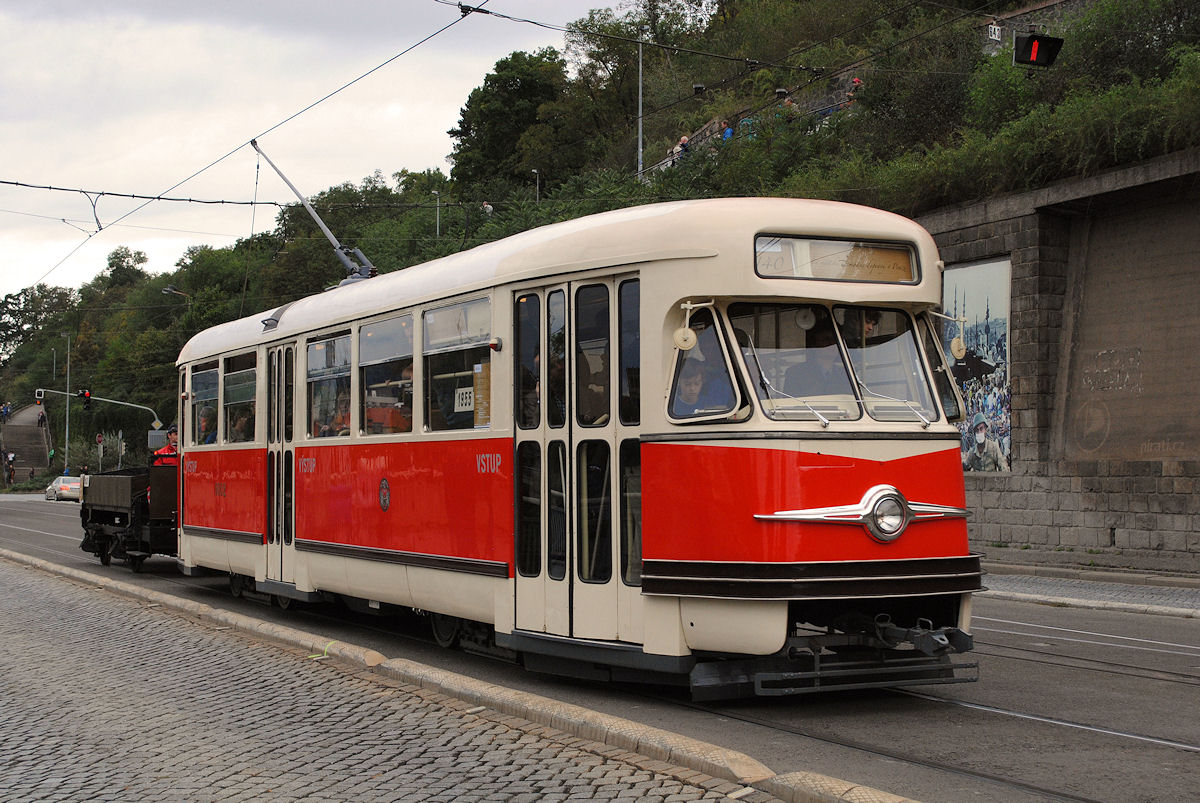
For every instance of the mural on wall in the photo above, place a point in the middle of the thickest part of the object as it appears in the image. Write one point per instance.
(980, 293)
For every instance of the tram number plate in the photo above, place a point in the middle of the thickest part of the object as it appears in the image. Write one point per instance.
(464, 400)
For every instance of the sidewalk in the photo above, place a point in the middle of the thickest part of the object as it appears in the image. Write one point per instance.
(570, 752)
(1135, 592)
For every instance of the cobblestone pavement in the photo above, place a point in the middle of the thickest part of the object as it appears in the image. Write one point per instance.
(1068, 590)
(106, 698)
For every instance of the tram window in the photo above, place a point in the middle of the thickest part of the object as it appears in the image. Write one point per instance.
(458, 366)
(795, 362)
(556, 351)
(204, 403)
(631, 512)
(592, 346)
(883, 350)
(702, 387)
(941, 373)
(328, 376)
(289, 391)
(556, 513)
(629, 352)
(594, 529)
(529, 508)
(272, 386)
(385, 358)
(529, 362)
(241, 387)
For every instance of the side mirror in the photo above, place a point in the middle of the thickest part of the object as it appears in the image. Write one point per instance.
(685, 338)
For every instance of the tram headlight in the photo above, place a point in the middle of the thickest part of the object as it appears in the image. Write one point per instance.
(888, 518)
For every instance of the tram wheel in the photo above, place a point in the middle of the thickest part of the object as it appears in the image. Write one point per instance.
(237, 584)
(136, 564)
(105, 557)
(283, 603)
(446, 629)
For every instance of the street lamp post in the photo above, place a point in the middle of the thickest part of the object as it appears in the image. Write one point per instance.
(67, 437)
(537, 186)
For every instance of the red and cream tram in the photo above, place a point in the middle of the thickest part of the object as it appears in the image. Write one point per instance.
(708, 442)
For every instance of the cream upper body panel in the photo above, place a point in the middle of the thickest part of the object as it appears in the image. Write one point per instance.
(709, 243)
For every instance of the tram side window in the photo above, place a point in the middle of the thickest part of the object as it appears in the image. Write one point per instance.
(631, 512)
(529, 509)
(702, 386)
(204, 403)
(328, 374)
(556, 366)
(593, 391)
(630, 351)
(529, 362)
(385, 357)
(458, 366)
(241, 378)
(594, 467)
(941, 373)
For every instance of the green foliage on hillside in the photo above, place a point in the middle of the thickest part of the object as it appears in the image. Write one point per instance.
(935, 121)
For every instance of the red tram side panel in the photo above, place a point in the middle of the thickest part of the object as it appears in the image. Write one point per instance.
(226, 491)
(442, 499)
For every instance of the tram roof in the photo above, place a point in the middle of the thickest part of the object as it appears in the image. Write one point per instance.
(629, 236)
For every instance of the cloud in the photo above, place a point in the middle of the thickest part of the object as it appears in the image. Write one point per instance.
(133, 97)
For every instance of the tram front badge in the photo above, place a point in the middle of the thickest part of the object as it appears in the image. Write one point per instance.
(385, 495)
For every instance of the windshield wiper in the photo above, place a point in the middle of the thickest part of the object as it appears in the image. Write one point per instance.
(925, 422)
(765, 383)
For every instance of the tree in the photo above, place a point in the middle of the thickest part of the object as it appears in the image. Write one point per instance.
(496, 115)
(23, 314)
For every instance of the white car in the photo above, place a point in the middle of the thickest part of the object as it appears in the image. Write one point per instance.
(64, 488)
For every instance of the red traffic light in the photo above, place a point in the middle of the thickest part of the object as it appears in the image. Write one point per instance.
(1036, 49)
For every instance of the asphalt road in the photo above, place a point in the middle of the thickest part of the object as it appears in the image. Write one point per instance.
(1073, 703)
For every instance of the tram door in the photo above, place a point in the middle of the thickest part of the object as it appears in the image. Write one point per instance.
(574, 429)
(281, 478)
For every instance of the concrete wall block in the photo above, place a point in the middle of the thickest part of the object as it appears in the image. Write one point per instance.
(1145, 521)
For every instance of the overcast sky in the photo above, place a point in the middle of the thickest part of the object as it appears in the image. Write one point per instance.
(133, 96)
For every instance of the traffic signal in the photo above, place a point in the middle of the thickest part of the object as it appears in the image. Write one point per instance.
(86, 395)
(1035, 49)
(38, 395)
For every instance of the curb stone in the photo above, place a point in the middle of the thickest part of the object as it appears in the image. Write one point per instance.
(619, 734)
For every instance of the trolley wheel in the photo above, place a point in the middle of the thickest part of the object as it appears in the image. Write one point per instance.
(237, 584)
(136, 564)
(105, 557)
(446, 629)
(283, 603)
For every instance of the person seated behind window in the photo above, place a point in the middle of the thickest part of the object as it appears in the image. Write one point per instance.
(698, 391)
(822, 373)
(339, 422)
(208, 426)
(242, 426)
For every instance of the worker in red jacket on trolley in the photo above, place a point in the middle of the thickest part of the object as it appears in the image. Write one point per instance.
(169, 454)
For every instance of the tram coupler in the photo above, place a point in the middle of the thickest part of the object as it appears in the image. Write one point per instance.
(923, 637)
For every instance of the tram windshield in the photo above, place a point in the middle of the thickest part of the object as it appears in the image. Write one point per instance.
(808, 363)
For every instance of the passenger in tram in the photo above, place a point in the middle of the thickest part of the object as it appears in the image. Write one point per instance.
(822, 373)
(208, 426)
(699, 390)
(242, 428)
(339, 422)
